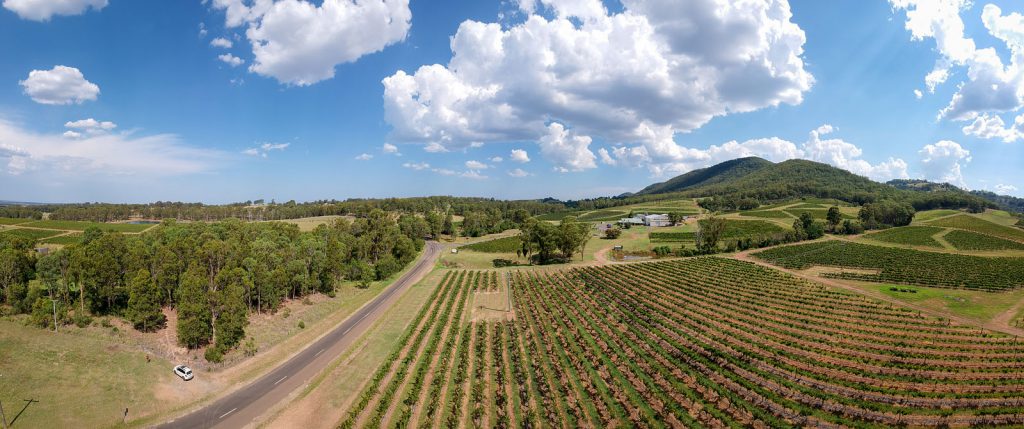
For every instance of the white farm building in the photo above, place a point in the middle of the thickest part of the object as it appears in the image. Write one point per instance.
(655, 220)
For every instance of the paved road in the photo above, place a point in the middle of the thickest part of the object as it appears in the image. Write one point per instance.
(244, 405)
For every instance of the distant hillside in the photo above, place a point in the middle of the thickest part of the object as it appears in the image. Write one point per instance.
(766, 181)
(756, 178)
(921, 185)
(726, 171)
(1004, 202)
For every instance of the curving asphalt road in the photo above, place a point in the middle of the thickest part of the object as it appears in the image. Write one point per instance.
(240, 408)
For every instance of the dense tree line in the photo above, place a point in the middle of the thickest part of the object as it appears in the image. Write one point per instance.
(214, 274)
(20, 212)
(728, 203)
(260, 211)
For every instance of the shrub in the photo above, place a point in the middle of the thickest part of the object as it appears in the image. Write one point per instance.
(302, 325)
(250, 347)
(662, 251)
(214, 355)
(81, 320)
(612, 233)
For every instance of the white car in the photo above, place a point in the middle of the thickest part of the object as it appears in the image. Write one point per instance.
(184, 372)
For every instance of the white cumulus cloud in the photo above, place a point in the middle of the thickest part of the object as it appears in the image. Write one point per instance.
(566, 149)
(943, 161)
(230, 60)
(43, 10)
(991, 86)
(59, 85)
(655, 64)
(1004, 189)
(416, 165)
(435, 147)
(299, 42)
(992, 127)
(364, 157)
(90, 126)
(520, 156)
(221, 42)
(476, 165)
(518, 172)
(390, 148)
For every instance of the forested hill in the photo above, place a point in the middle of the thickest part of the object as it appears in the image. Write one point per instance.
(1004, 202)
(764, 181)
(726, 171)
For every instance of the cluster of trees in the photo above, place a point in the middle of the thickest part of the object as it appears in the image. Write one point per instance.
(20, 212)
(728, 203)
(547, 242)
(214, 274)
(886, 214)
(491, 221)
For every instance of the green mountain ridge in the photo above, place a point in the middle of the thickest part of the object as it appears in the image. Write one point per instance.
(765, 181)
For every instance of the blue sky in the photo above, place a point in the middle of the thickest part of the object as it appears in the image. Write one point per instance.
(603, 98)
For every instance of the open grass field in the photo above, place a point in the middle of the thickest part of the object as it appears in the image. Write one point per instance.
(902, 266)
(13, 221)
(705, 342)
(933, 214)
(979, 225)
(908, 235)
(71, 225)
(79, 381)
(498, 245)
(979, 306)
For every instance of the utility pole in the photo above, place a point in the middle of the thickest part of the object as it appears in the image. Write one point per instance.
(54, 301)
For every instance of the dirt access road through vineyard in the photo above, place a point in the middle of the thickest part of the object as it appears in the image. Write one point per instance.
(241, 407)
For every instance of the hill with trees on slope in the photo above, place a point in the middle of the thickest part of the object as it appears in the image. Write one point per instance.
(737, 183)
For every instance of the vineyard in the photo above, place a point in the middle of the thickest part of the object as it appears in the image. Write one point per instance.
(733, 229)
(767, 214)
(909, 235)
(705, 342)
(966, 240)
(982, 226)
(818, 214)
(904, 266)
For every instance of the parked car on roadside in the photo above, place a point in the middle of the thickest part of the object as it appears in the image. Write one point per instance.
(184, 372)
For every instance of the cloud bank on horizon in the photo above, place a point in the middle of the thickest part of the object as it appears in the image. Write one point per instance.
(581, 85)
